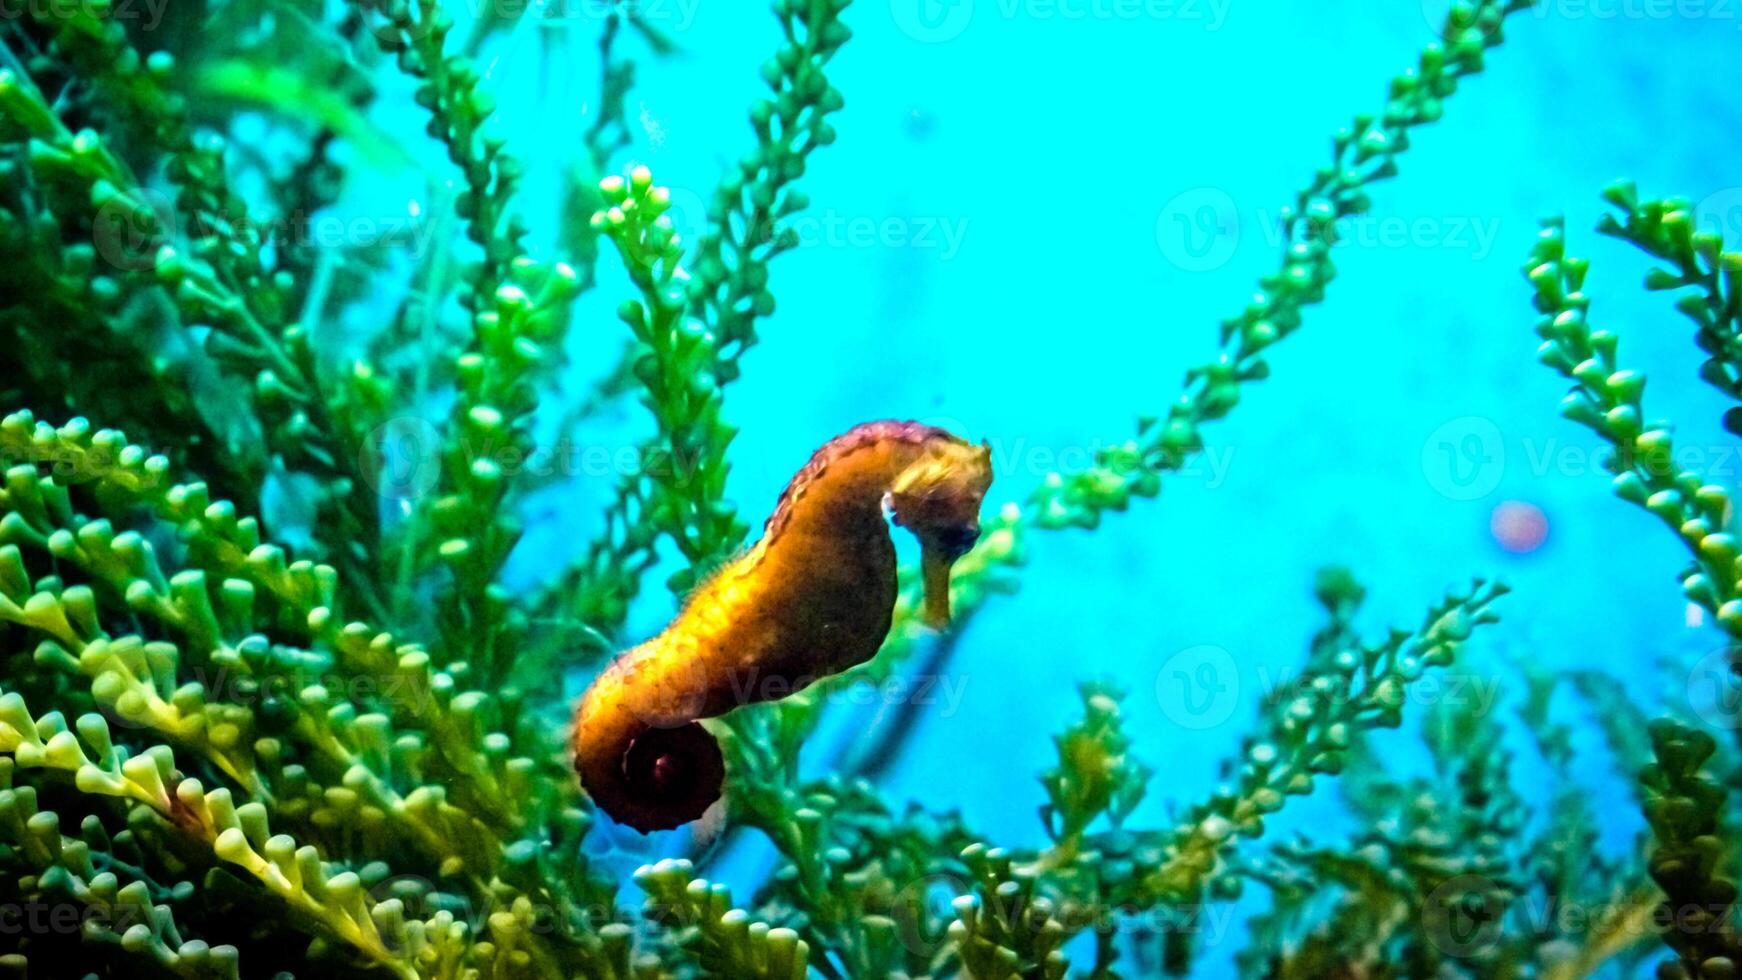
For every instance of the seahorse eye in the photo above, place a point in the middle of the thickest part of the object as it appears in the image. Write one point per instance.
(958, 539)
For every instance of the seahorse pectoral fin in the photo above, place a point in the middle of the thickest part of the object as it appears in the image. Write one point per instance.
(935, 564)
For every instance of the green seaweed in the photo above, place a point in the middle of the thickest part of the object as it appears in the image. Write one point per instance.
(1682, 804)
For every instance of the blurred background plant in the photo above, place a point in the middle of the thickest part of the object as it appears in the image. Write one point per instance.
(278, 688)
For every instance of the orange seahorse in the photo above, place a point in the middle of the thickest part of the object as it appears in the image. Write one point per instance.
(812, 598)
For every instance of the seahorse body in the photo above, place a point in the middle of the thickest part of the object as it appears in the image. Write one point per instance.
(812, 598)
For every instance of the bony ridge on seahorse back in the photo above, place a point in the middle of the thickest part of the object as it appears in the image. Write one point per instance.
(812, 598)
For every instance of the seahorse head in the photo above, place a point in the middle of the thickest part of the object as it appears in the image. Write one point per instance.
(938, 498)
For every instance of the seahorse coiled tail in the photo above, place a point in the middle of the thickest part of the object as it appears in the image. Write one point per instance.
(812, 598)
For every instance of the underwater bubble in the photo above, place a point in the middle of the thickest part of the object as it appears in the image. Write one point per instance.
(1519, 527)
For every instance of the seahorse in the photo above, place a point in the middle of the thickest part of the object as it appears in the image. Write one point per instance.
(813, 597)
